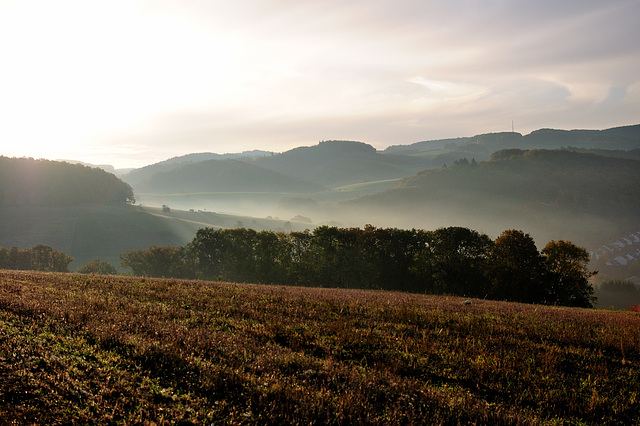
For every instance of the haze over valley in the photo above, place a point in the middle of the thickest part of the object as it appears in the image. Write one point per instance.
(577, 185)
(319, 212)
(288, 115)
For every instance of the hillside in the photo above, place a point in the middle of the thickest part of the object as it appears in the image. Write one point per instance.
(338, 163)
(29, 182)
(88, 231)
(106, 350)
(482, 146)
(333, 164)
(223, 176)
(311, 168)
(442, 151)
(140, 175)
(585, 198)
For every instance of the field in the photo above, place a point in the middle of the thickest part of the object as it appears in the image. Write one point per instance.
(113, 350)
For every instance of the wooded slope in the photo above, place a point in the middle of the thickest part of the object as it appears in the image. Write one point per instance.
(29, 182)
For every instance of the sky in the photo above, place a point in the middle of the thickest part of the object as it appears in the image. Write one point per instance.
(132, 82)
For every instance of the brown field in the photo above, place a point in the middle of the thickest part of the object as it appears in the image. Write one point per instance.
(115, 350)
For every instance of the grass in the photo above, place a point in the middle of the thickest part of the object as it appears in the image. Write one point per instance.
(115, 350)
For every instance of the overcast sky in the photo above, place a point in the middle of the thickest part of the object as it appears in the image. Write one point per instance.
(134, 82)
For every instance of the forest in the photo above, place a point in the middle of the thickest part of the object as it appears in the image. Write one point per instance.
(454, 260)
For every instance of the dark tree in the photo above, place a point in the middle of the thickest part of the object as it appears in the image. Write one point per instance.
(159, 262)
(459, 258)
(209, 247)
(516, 269)
(568, 274)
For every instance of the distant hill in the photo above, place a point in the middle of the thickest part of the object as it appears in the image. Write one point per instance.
(139, 175)
(29, 182)
(223, 176)
(618, 138)
(485, 142)
(332, 164)
(555, 194)
(106, 167)
(326, 165)
(338, 163)
(633, 154)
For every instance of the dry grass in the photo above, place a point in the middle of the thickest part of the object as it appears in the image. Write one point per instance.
(117, 350)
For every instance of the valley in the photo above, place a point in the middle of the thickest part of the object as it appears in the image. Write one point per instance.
(580, 186)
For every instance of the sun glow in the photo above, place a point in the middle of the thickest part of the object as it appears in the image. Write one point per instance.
(84, 70)
(83, 78)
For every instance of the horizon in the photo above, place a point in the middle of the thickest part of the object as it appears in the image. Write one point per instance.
(177, 155)
(185, 77)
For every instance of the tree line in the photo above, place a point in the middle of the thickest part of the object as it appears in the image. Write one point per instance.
(452, 260)
(38, 258)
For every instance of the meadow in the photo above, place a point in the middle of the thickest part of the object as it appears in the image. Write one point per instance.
(123, 350)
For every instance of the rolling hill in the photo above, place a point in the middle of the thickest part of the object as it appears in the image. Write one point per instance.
(141, 174)
(570, 193)
(618, 138)
(89, 231)
(223, 176)
(585, 198)
(332, 164)
(86, 232)
(311, 168)
(339, 163)
(87, 213)
(29, 182)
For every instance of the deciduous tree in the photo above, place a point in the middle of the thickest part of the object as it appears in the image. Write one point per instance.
(567, 265)
(516, 269)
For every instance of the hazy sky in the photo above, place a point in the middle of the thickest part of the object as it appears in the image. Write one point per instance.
(134, 82)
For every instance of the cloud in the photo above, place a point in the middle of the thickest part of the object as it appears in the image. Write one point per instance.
(218, 75)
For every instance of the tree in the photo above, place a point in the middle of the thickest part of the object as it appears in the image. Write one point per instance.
(568, 276)
(20, 259)
(98, 267)
(42, 258)
(393, 258)
(4, 258)
(38, 258)
(516, 269)
(208, 248)
(458, 259)
(272, 252)
(168, 261)
(239, 261)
